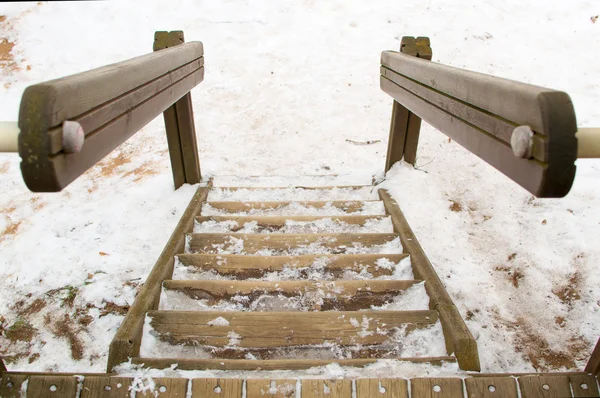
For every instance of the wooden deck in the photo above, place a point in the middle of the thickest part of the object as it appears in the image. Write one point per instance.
(97, 385)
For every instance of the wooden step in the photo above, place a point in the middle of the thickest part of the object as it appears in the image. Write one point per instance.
(245, 267)
(293, 295)
(284, 329)
(323, 188)
(338, 243)
(273, 364)
(348, 206)
(276, 222)
(292, 194)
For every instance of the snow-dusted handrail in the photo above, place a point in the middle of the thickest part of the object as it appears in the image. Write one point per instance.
(110, 104)
(526, 132)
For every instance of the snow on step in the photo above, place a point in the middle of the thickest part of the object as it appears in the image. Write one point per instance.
(293, 295)
(293, 194)
(293, 225)
(292, 335)
(293, 244)
(307, 208)
(309, 267)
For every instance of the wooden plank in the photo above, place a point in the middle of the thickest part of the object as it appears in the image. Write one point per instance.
(271, 364)
(280, 221)
(166, 387)
(106, 387)
(187, 136)
(397, 137)
(52, 386)
(206, 243)
(283, 329)
(350, 295)
(47, 105)
(549, 113)
(174, 145)
(436, 387)
(11, 385)
(126, 343)
(384, 388)
(593, 365)
(584, 386)
(459, 339)
(217, 388)
(244, 267)
(330, 187)
(348, 206)
(491, 387)
(544, 386)
(326, 388)
(280, 388)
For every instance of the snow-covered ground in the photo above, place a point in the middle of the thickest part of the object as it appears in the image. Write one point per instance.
(286, 85)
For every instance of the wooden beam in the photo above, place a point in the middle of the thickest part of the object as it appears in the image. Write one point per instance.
(270, 364)
(244, 267)
(593, 365)
(459, 339)
(280, 221)
(382, 388)
(126, 343)
(326, 388)
(447, 387)
(283, 329)
(405, 125)
(348, 206)
(252, 243)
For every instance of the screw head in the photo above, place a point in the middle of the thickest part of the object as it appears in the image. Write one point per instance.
(521, 142)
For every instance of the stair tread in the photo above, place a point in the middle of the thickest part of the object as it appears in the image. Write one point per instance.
(292, 193)
(330, 207)
(281, 244)
(302, 295)
(335, 266)
(284, 329)
(273, 364)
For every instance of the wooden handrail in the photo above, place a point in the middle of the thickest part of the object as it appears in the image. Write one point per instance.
(526, 132)
(110, 103)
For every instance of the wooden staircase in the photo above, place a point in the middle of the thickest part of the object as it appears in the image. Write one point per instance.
(254, 284)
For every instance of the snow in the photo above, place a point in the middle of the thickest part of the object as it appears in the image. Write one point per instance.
(299, 209)
(292, 194)
(285, 86)
(324, 225)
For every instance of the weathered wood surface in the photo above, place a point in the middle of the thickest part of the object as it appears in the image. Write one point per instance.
(280, 221)
(463, 105)
(446, 387)
(126, 342)
(165, 387)
(216, 288)
(94, 385)
(593, 365)
(405, 125)
(217, 388)
(206, 243)
(271, 388)
(52, 386)
(106, 387)
(584, 386)
(544, 386)
(271, 364)
(459, 339)
(383, 388)
(179, 123)
(491, 387)
(244, 267)
(112, 103)
(348, 206)
(326, 388)
(283, 329)
(12, 384)
(299, 187)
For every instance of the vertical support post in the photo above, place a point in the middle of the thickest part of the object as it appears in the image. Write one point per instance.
(179, 123)
(593, 365)
(405, 125)
(2, 366)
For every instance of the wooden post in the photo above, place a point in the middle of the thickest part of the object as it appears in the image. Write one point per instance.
(593, 365)
(179, 123)
(2, 366)
(405, 125)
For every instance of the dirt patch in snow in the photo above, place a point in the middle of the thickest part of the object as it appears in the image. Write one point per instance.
(455, 206)
(570, 291)
(36, 306)
(66, 328)
(21, 330)
(113, 308)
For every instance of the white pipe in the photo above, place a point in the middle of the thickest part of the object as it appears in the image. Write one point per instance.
(588, 142)
(9, 137)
